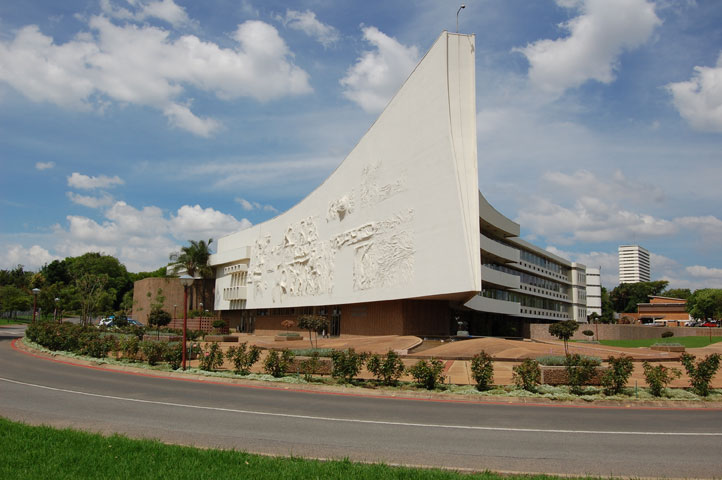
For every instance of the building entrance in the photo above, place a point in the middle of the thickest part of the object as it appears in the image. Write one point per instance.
(335, 324)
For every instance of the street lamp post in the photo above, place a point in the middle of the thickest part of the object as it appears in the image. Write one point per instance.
(174, 308)
(186, 281)
(35, 302)
(55, 313)
(457, 17)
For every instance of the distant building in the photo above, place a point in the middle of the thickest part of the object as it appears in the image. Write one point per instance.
(594, 291)
(633, 264)
(666, 311)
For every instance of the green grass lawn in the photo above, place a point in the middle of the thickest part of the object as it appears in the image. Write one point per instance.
(15, 321)
(41, 452)
(689, 342)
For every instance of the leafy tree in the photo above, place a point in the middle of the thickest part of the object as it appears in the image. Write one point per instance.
(158, 318)
(17, 277)
(312, 323)
(92, 296)
(118, 279)
(13, 300)
(193, 259)
(607, 308)
(626, 296)
(162, 272)
(564, 331)
(677, 293)
(705, 303)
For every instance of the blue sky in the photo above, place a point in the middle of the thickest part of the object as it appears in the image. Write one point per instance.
(131, 126)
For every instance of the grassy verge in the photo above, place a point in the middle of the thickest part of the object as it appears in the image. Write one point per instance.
(42, 452)
(688, 342)
(15, 321)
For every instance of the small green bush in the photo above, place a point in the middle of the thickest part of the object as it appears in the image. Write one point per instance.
(276, 363)
(243, 357)
(561, 360)
(308, 352)
(174, 355)
(580, 370)
(387, 369)
(527, 374)
(482, 370)
(130, 346)
(701, 373)
(428, 373)
(346, 364)
(310, 365)
(617, 375)
(658, 377)
(588, 333)
(153, 352)
(667, 344)
(212, 357)
(667, 334)
(219, 323)
(97, 346)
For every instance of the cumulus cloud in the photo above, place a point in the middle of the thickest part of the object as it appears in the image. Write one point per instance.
(699, 99)
(143, 65)
(249, 206)
(104, 200)
(307, 23)
(378, 73)
(584, 182)
(166, 10)
(44, 165)
(32, 258)
(85, 182)
(597, 37)
(142, 238)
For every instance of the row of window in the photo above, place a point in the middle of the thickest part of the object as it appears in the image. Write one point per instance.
(524, 300)
(530, 279)
(543, 262)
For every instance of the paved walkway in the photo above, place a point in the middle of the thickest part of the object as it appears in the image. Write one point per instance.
(507, 353)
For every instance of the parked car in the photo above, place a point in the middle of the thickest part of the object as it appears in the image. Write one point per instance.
(110, 322)
(709, 323)
(693, 323)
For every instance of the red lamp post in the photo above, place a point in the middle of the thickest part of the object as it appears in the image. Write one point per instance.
(186, 281)
(35, 302)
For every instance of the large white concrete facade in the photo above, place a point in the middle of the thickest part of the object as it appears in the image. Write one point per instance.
(400, 219)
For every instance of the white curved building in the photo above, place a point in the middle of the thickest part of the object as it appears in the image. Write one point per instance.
(399, 240)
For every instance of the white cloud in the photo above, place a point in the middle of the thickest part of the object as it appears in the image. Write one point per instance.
(378, 74)
(166, 10)
(699, 99)
(142, 238)
(307, 22)
(196, 222)
(597, 37)
(44, 165)
(32, 258)
(584, 182)
(143, 65)
(705, 272)
(105, 200)
(248, 206)
(85, 182)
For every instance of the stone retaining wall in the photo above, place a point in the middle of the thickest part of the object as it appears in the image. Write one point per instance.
(622, 332)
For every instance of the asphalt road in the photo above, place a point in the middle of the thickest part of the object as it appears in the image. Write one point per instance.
(597, 441)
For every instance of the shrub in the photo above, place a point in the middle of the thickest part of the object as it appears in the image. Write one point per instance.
(580, 370)
(130, 346)
(701, 373)
(308, 352)
(276, 363)
(174, 355)
(346, 364)
(527, 374)
(310, 365)
(588, 333)
(658, 377)
(219, 324)
(211, 358)
(158, 318)
(243, 358)
(153, 352)
(387, 369)
(482, 369)
(98, 346)
(615, 378)
(312, 323)
(561, 360)
(428, 374)
(667, 334)
(564, 331)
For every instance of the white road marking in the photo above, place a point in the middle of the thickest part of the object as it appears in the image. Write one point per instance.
(370, 422)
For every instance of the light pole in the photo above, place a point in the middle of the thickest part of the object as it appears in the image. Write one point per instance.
(457, 17)
(55, 313)
(186, 281)
(174, 308)
(35, 302)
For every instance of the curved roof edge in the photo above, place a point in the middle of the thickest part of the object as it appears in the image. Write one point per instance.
(490, 215)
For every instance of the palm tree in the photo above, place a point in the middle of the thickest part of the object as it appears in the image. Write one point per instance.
(194, 260)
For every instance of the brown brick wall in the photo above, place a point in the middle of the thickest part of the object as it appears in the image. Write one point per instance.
(173, 293)
(620, 332)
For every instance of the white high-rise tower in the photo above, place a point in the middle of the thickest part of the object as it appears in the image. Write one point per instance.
(633, 264)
